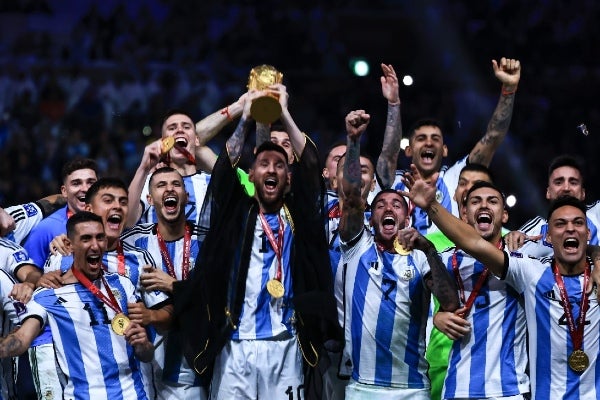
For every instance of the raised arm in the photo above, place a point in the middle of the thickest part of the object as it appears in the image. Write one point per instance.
(388, 158)
(508, 72)
(463, 235)
(150, 159)
(210, 126)
(297, 138)
(235, 143)
(353, 205)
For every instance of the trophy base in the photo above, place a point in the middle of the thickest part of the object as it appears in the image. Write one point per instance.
(265, 109)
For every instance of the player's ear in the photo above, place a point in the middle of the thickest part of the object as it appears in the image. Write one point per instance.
(445, 153)
(505, 217)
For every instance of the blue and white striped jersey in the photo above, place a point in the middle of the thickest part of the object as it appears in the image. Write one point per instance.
(539, 226)
(446, 186)
(135, 260)
(26, 217)
(195, 186)
(12, 257)
(386, 311)
(262, 316)
(169, 363)
(550, 343)
(8, 321)
(491, 360)
(98, 363)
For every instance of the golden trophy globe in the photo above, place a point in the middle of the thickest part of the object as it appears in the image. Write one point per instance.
(265, 109)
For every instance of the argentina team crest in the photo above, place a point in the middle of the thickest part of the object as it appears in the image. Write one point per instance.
(407, 274)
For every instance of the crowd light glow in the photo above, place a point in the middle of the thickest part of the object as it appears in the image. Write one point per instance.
(403, 143)
(360, 67)
(407, 80)
(511, 200)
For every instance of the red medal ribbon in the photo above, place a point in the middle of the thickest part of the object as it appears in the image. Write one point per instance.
(120, 259)
(110, 301)
(185, 265)
(190, 157)
(382, 248)
(334, 212)
(276, 245)
(468, 304)
(166, 158)
(575, 331)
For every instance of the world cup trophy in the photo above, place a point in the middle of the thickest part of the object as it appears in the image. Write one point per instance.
(265, 109)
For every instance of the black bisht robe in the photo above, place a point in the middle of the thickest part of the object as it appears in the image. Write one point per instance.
(208, 305)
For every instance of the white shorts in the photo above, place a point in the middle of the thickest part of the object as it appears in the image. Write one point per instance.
(334, 387)
(46, 373)
(258, 369)
(360, 391)
(179, 391)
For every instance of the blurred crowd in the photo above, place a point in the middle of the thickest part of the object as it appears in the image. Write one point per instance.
(93, 78)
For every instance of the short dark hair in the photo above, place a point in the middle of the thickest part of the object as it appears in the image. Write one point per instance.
(383, 191)
(81, 217)
(567, 160)
(337, 143)
(277, 126)
(161, 170)
(102, 183)
(76, 164)
(484, 184)
(365, 155)
(171, 112)
(474, 167)
(566, 201)
(423, 122)
(270, 146)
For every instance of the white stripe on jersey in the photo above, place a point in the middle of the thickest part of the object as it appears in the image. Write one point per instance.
(446, 186)
(26, 217)
(262, 316)
(195, 186)
(8, 320)
(386, 311)
(549, 340)
(98, 363)
(135, 260)
(12, 256)
(169, 363)
(539, 226)
(492, 359)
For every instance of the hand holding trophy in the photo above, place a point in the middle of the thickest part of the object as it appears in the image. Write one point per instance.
(265, 109)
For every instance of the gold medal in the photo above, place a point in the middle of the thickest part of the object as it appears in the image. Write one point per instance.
(399, 248)
(119, 323)
(275, 288)
(578, 361)
(167, 144)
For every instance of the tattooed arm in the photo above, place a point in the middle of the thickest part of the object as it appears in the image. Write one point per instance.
(51, 203)
(235, 143)
(353, 205)
(388, 158)
(263, 133)
(439, 281)
(19, 341)
(508, 73)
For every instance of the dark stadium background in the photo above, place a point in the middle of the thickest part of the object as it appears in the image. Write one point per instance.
(59, 60)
